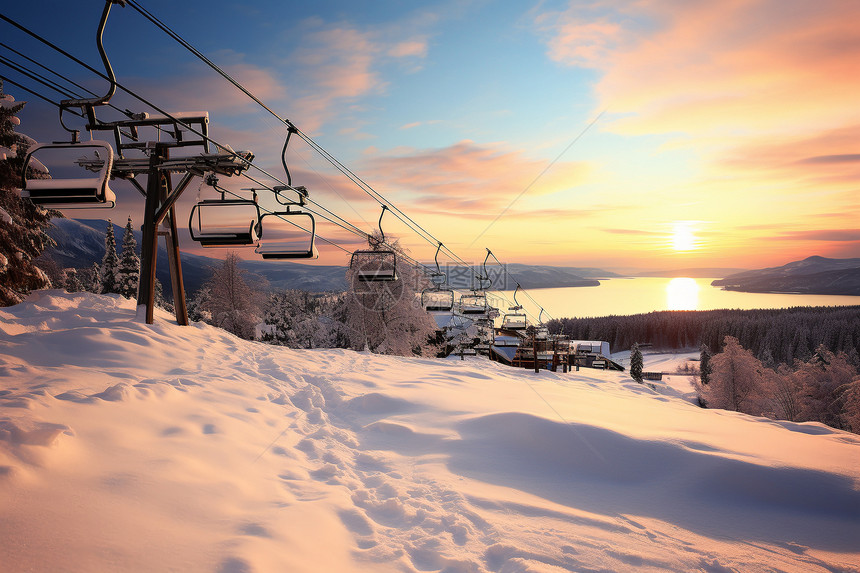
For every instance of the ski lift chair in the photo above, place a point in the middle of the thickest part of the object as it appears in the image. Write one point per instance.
(225, 222)
(71, 193)
(375, 265)
(277, 244)
(474, 304)
(437, 300)
(515, 320)
(541, 332)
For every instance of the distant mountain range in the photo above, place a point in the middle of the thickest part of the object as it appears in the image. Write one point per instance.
(80, 243)
(813, 275)
(693, 273)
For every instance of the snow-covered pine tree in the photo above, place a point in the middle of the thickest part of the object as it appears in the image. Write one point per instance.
(22, 224)
(387, 317)
(129, 264)
(704, 364)
(292, 319)
(736, 378)
(94, 279)
(160, 300)
(232, 301)
(198, 305)
(110, 263)
(636, 363)
(73, 282)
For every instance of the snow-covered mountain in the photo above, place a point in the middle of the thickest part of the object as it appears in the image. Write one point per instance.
(812, 275)
(138, 448)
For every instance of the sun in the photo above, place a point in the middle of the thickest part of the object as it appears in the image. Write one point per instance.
(682, 293)
(683, 238)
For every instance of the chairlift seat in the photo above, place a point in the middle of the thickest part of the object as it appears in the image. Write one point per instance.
(374, 275)
(275, 247)
(474, 304)
(287, 250)
(70, 193)
(225, 222)
(514, 321)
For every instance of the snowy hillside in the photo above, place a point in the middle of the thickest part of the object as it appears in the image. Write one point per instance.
(134, 447)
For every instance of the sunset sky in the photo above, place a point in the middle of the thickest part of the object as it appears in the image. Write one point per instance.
(655, 133)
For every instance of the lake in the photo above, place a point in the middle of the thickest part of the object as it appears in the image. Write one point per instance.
(640, 295)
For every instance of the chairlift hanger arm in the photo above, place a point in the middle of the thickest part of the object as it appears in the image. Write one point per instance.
(290, 131)
(89, 103)
(436, 258)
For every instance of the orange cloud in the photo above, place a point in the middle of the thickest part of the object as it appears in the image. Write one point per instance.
(830, 156)
(720, 66)
(340, 63)
(471, 178)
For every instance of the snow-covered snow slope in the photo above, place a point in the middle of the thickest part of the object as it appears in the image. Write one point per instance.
(134, 447)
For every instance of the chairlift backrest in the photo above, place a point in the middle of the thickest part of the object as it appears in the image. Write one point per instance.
(225, 222)
(275, 243)
(71, 193)
(475, 303)
(514, 321)
(374, 266)
(437, 300)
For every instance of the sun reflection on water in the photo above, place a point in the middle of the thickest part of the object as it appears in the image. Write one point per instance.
(682, 293)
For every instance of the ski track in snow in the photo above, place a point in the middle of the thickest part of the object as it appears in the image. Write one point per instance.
(134, 447)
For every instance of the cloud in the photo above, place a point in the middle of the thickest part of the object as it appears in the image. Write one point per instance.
(409, 49)
(827, 157)
(194, 90)
(338, 64)
(828, 235)
(638, 232)
(719, 66)
(471, 178)
(415, 124)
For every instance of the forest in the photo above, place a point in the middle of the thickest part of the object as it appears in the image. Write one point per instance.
(774, 336)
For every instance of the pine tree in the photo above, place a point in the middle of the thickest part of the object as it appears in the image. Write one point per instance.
(73, 282)
(292, 319)
(198, 306)
(160, 300)
(110, 263)
(94, 279)
(636, 363)
(384, 317)
(22, 224)
(129, 265)
(232, 302)
(705, 368)
(736, 379)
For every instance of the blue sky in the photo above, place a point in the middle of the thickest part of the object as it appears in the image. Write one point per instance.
(734, 123)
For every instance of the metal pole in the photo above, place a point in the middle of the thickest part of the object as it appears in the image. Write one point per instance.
(175, 265)
(149, 242)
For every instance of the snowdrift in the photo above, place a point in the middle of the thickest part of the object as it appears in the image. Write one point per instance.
(134, 447)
